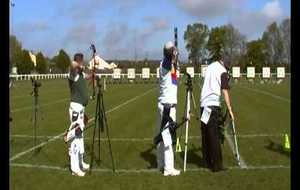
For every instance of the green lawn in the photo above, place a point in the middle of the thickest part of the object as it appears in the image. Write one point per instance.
(262, 115)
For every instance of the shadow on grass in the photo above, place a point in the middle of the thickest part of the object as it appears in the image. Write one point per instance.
(193, 157)
(96, 156)
(275, 147)
(150, 157)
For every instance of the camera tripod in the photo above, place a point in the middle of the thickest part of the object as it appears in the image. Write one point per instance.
(189, 95)
(100, 124)
(35, 107)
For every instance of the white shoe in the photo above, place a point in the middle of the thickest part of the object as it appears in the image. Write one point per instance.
(172, 172)
(78, 173)
(85, 166)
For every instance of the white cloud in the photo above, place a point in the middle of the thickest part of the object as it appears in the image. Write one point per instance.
(206, 9)
(122, 41)
(114, 40)
(80, 34)
(272, 9)
(32, 26)
(77, 9)
(253, 23)
(250, 23)
(155, 25)
(126, 6)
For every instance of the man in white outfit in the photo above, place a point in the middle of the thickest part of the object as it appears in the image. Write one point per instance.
(167, 101)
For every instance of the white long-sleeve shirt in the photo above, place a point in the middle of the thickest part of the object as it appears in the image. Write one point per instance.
(167, 83)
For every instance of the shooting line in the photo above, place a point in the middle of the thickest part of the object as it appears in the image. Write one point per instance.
(150, 138)
(103, 170)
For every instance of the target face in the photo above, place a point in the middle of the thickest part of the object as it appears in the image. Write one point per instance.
(203, 70)
(145, 73)
(131, 73)
(117, 74)
(250, 72)
(177, 73)
(236, 72)
(266, 72)
(280, 72)
(157, 72)
(190, 70)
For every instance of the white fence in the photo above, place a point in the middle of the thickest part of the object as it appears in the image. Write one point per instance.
(131, 74)
(38, 76)
(122, 76)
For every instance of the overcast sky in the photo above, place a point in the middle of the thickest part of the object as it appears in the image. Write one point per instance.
(119, 28)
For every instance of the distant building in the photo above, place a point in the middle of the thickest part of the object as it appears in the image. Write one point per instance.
(101, 64)
(33, 58)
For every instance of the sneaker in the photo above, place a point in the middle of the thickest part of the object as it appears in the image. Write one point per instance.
(78, 173)
(172, 172)
(85, 166)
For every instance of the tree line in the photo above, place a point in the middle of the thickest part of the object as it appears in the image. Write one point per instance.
(204, 45)
(272, 49)
(20, 58)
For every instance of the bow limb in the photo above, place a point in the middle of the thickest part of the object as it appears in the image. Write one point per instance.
(93, 74)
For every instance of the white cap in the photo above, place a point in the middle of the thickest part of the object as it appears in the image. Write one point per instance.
(168, 45)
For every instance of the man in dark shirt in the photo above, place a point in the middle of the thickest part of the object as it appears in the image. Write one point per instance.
(79, 100)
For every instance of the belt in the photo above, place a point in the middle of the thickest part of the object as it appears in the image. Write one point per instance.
(81, 112)
(169, 105)
(213, 107)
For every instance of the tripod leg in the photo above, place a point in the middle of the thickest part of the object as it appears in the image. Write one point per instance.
(107, 133)
(34, 133)
(185, 108)
(194, 102)
(35, 118)
(195, 106)
(187, 112)
(100, 125)
(92, 151)
(93, 139)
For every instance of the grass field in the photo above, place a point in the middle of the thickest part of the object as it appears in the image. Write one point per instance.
(262, 116)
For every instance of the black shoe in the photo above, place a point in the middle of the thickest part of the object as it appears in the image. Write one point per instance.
(219, 169)
(223, 169)
(205, 164)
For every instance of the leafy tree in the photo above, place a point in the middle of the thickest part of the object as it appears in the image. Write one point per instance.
(274, 44)
(285, 31)
(41, 63)
(62, 61)
(195, 37)
(25, 64)
(234, 44)
(226, 40)
(216, 42)
(256, 54)
(243, 61)
(15, 51)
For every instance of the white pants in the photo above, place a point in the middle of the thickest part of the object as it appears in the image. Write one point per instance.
(165, 155)
(76, 148)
